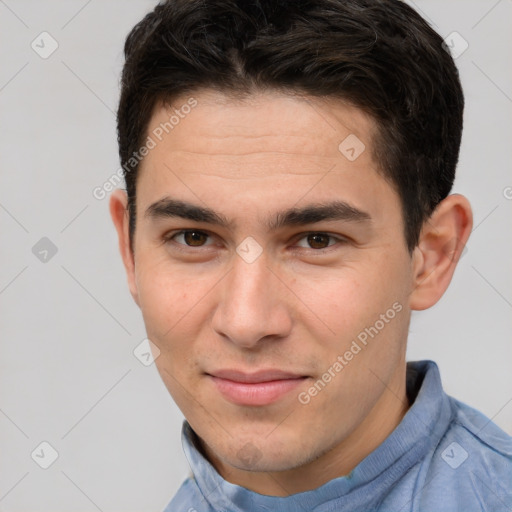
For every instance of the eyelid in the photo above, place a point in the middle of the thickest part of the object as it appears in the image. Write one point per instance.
(338, 238)
(170, 236)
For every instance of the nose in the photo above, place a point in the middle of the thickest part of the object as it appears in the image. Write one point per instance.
(252, 305)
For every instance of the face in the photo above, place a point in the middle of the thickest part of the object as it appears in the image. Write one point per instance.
(272, 273)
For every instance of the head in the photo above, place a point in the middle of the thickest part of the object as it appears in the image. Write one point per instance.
(288, 168)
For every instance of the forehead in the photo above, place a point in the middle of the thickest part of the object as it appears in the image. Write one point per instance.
(265, 149)
(265, 122)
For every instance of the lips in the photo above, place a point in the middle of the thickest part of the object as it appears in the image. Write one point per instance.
(256, 389)
(255, 377)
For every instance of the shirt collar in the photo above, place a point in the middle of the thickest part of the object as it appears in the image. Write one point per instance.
(420, 429)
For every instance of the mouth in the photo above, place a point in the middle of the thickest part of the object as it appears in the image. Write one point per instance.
(254, 389)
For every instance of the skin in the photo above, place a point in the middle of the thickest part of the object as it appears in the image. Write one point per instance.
(296, 307)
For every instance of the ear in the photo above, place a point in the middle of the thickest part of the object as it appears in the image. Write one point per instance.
(442, 242)
(119, 213)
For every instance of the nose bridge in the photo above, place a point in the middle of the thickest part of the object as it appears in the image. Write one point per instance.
(248, 286)
(250, 306)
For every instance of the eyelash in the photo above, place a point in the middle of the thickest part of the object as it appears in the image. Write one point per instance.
(187, 248)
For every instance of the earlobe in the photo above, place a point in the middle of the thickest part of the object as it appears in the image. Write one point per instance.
(442, 243)
(119, 213)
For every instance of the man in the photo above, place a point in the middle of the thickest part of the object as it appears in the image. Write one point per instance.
(288, 166)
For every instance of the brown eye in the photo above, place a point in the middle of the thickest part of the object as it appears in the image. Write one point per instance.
(190, 238)
(195, 238)
(318, 240)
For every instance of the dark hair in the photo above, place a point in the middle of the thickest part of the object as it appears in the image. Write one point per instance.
(378, 55)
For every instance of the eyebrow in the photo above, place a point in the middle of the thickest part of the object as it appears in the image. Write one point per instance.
(310, 214)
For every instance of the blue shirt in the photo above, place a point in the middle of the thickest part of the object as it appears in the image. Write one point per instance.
(444, 456)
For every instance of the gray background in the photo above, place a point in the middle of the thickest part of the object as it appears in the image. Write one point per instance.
(68, 327)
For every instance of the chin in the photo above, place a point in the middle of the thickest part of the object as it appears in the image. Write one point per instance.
(260, 454)
(265, 462)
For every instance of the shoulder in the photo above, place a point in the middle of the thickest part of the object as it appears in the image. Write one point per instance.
(481, 429)
(471, 467)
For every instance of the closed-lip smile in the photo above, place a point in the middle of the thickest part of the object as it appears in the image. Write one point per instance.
(258, 388)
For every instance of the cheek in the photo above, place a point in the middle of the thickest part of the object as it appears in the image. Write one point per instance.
(361, 303)
(167, 296)
(343, 299)
(174, 306)
(171, 310)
